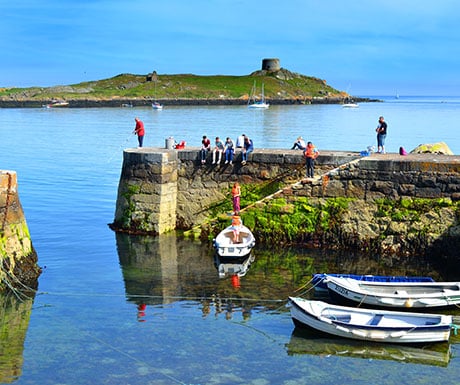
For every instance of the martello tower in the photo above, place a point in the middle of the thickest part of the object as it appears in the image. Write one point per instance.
(271, 64)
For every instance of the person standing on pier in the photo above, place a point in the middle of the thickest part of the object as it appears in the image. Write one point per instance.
(381, 135)
(311, 153)
(236, 194)
(139, 130)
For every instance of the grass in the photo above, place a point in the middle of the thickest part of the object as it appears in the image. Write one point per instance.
(182, 86)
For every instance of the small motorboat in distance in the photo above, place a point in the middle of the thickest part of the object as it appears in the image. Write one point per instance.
(157, 106)
(350, 105)
(394, 294)
(235, 241)
(319, 284)
(56, 104)
(370, 325)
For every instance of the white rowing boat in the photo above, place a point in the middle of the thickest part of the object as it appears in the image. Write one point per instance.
(394, 294)
(370, 325)
(227, 246)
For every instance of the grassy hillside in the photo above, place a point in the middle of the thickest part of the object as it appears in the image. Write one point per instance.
(282, 84)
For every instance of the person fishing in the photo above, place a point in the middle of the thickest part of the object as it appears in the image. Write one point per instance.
(139, 130)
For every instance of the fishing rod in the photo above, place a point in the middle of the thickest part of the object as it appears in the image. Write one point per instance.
(120, 146)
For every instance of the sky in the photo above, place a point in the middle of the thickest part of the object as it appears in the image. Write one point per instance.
(364, 47)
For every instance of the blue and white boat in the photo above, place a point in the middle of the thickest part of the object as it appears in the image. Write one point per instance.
(320, 285)
(394, 294)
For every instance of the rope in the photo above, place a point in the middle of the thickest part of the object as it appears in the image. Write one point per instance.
(359, 305)
(455, 328)
(115, 349)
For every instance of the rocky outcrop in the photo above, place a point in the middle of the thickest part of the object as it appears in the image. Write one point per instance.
(435, 148)
(18, 259)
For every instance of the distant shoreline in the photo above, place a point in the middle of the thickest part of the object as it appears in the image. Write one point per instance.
(138, 102)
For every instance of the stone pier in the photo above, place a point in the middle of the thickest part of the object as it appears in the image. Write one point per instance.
(17, 256)
(161, 190)
(147, 192)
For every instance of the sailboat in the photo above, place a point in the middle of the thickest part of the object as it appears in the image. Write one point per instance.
(253, 103)
(156, 105)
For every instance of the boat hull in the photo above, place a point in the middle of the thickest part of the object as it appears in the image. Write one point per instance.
(259, 105)
(382, 326)
(418, 295)
(319, 284)
(226, 248)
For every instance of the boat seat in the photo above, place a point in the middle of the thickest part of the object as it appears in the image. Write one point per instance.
(340, 318)
(375, 320)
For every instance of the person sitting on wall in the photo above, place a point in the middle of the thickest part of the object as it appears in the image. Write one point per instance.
(299, 144)
(218, 149)
(205, 147)
(240, 141)
(247, 149)
(229, 151)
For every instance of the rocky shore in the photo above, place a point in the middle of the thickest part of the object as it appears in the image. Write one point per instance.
(146, 102)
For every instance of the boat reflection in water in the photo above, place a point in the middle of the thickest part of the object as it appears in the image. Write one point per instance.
(305, 341)
(229, 267)
(167, 270)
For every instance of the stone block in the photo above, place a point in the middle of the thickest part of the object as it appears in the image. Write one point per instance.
(355, 189)
(406, 189)
(427, 181)
(385, 188)
(333, 188)
(428, 192)
(270, 158)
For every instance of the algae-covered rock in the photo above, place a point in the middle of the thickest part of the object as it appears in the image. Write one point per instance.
(434, 148)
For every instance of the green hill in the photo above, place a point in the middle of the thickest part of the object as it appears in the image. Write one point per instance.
(279, 85)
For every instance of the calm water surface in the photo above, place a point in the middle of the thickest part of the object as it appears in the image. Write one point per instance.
(115, 309)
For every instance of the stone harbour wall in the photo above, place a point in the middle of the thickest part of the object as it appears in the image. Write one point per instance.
(161, 190)
(17, 256)
(390, 176)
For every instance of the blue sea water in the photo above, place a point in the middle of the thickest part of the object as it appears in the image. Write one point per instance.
(88, 323)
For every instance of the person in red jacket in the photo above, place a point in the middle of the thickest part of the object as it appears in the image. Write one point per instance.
(139, 130)
(311, 153)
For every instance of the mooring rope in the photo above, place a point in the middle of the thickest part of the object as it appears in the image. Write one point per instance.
(131, 357)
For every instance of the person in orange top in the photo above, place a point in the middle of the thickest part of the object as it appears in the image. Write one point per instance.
(236, 193)
(311, 153)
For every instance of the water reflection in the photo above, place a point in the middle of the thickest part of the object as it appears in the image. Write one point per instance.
(15, 316)
(304, 341)
(165, 269)
(231, 267)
